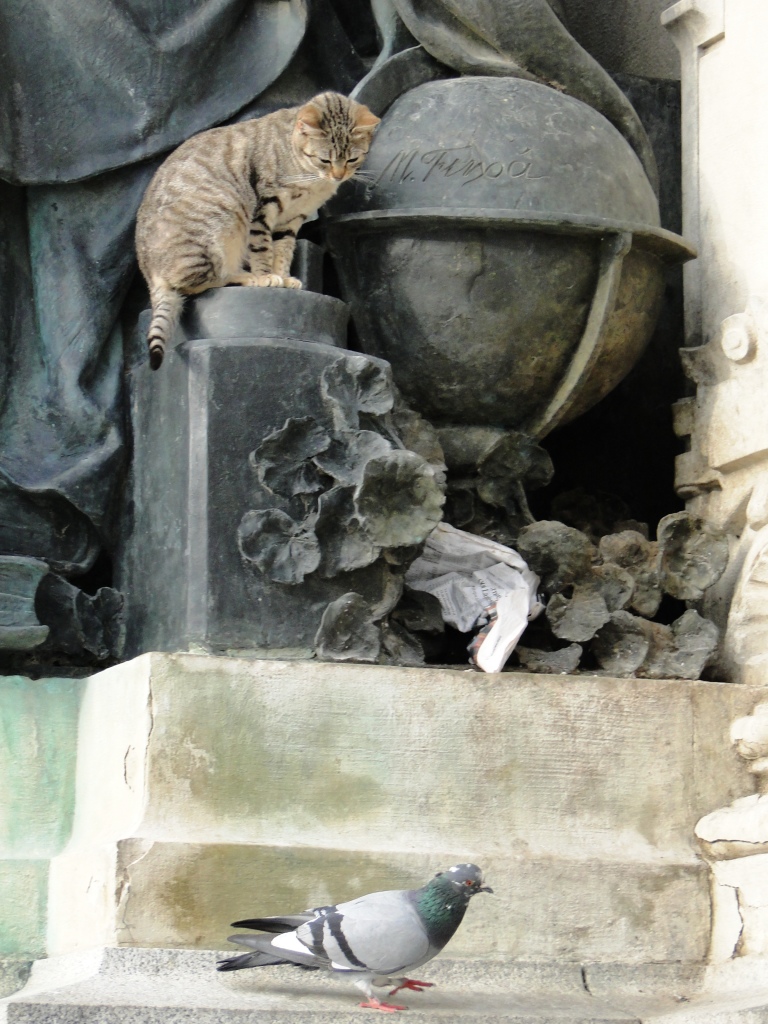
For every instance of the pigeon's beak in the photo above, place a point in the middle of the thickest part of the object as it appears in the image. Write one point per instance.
(485, 888)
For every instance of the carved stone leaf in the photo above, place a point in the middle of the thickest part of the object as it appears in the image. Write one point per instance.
(283, 460)
(558, 554)
(614, 584)
(419, 611)
(344, 544)
(693, 555)
(347, 632)
(682, 650)
(284, 550)
(639, 557)
(353, 385)
(399, 646)
(399, 500)
(622, 645)
(80, 622)
(348, 453)
(515, 458)
(562, 662)
(418, 435)
(577, 618)
(629, 645)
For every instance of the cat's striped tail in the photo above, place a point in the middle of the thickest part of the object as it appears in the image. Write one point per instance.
(166, 310)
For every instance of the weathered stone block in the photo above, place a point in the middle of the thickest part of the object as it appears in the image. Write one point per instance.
(211, 788)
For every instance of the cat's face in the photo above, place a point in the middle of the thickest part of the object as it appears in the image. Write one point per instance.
(333, 134)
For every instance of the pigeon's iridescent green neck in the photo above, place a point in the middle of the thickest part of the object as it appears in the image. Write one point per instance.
(441, 909)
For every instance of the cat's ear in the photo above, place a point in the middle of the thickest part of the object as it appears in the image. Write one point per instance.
(308, 121)
(366, 120)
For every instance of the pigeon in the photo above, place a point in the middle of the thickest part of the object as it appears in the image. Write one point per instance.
(377, 938)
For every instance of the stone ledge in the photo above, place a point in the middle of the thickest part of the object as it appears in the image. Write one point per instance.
(138, 986)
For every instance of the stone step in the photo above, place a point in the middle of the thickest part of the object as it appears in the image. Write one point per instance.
(212, 788)
(140, 986)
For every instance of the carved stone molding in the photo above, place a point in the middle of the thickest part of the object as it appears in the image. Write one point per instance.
(695, 26)
(734, 840)
(695, 22)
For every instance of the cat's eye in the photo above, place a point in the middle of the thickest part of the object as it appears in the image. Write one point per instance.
(322, 161)
(353, 160)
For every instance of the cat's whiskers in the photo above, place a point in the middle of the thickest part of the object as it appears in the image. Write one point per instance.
(295, 179)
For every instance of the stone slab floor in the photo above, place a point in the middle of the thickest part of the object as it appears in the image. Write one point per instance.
(135, 986)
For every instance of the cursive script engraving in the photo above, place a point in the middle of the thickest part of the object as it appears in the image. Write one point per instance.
(464, 162)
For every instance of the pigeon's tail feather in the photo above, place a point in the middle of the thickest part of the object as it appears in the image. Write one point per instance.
(237, 963)
(267, 954)
(275, 925)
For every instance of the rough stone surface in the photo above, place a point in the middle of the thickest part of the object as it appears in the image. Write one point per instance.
(14, 972)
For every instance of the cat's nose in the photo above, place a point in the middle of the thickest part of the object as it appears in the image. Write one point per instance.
(338, 173)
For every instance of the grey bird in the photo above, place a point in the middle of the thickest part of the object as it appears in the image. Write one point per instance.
(376, 939)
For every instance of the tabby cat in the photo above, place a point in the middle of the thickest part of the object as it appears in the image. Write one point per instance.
(225, 207)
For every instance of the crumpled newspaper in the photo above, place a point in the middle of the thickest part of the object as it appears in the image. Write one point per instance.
(476, 581)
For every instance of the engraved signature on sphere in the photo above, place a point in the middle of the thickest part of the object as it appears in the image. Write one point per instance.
(464, 162)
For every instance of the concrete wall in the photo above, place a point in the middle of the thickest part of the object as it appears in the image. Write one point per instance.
(625, 35)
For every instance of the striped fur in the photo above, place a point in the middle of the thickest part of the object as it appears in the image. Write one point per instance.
(226, 206)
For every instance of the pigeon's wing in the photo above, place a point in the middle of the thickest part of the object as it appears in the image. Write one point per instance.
(381, 933)
(283, 948)
(286, 923)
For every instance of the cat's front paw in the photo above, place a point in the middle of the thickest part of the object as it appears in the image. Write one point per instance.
(292, 282)
(267, 281)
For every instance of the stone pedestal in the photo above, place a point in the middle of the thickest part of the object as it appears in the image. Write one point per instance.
(209, 789)
(251, 471)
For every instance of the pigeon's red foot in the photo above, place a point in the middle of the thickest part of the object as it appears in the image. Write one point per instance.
(376, 1004)
(414, 985)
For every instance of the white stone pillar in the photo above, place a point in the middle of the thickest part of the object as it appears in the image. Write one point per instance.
(725, 214)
